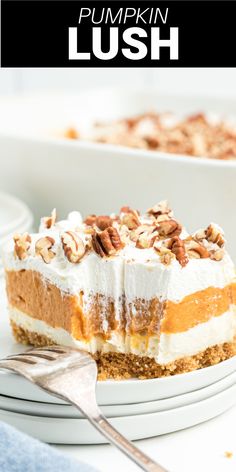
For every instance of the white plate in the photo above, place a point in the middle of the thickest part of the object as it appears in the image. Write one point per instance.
(68, 411)
(79, 431)
(108, 392)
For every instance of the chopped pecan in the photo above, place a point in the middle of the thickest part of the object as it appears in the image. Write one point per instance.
(160, 209)
(146, 237)
(90, 220)
(217, 255)
(103, 222)
(169, 228)
(166, 256)
(22, 245)
(107, 243)
(214, 235)
(148, 229)
(146, 240)
(43, 248)
(196, 250)
(127, 209)
(176, 245)
(73, 246)
(200, 235)
(50, 221)
(131, 220)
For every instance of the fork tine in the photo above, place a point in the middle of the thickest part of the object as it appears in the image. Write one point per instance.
(38, 354)
(19, 358)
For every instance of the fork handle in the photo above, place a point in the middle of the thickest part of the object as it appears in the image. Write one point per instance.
(127, 447)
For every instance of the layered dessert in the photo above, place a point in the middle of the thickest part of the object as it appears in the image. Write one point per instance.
(138, 292)
(193, 135)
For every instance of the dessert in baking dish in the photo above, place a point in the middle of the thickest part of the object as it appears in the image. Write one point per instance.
(137, 291)
(194, 135)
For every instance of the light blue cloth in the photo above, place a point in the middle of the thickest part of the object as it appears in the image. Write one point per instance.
(21, 453)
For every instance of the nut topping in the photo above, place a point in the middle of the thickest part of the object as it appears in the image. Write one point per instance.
(50, 221)
(146, 240)
(196, 250)
(131, 220)
(148, 229)
(217, 255)
(90, 220)
(103, 222)
(22, 245)
(43, 248)
(73, 246)
(160, 210)
(107, 243)
(200, 235)
(176, 245)
(169, 228)
(166, 256)
(214, 235)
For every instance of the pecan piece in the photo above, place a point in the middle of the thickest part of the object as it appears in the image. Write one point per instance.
(200, 235)
(107, 243)
(43, 248)
(148, 229)
(129, 217)
(160, 209)
(169, 228)
(217, 255)
(73, 246)
(103, 222)
(131, 220)
(196, 250)
(214, 235)
(50, 221)
(22, 245)
(166, 256)
(127, 209)
(176, 245)
(90, 220)
(147, 238)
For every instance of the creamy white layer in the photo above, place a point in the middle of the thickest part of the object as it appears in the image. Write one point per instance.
(217, 330)
(135, 273)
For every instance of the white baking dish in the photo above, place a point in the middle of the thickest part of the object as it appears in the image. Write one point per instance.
(46, 170)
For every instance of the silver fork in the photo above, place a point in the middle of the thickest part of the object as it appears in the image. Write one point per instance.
(71, 374)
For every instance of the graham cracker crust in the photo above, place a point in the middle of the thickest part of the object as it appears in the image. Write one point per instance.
(124, 366)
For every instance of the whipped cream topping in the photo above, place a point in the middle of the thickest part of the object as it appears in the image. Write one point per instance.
(132, 272)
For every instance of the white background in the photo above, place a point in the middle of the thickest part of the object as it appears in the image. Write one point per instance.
(196, 81)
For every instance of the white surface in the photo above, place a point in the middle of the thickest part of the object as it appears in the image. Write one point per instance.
(79, 431)
(67, 411)
(200, 190)
(198, 449)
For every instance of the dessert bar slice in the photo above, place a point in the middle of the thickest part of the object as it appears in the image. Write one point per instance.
(137, 291)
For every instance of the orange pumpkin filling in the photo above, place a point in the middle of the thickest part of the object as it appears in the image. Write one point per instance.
(29, 293)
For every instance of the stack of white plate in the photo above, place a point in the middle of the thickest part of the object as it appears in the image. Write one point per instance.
(137, 408)
(15, 217)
